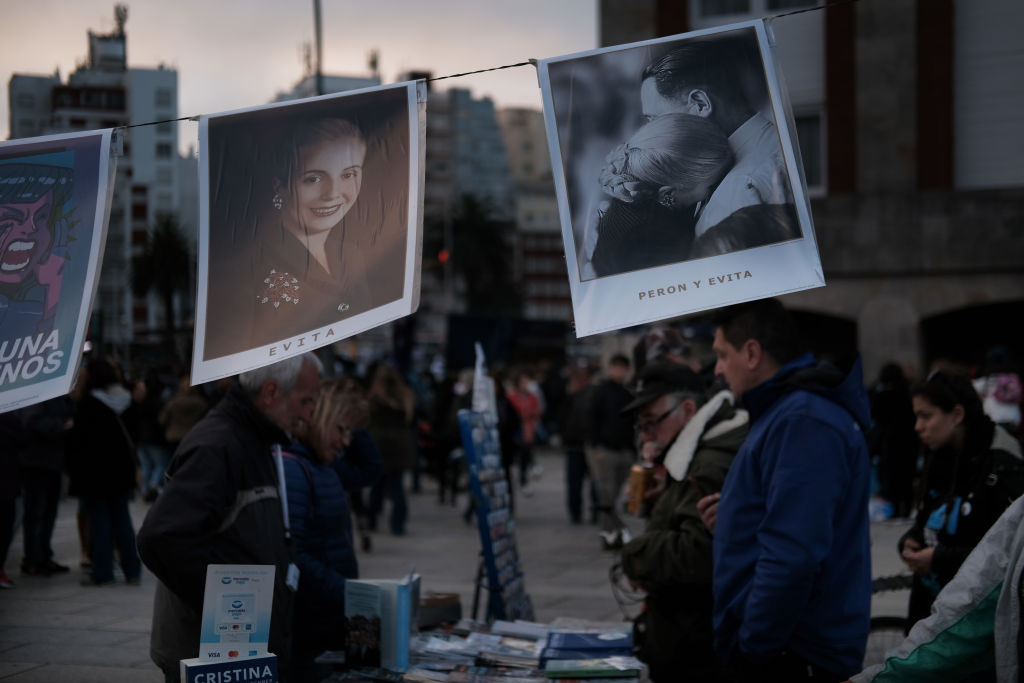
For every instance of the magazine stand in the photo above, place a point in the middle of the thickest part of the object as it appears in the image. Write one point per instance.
(507, 598)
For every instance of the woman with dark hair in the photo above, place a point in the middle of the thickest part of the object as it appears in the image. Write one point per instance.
(321, 521)
(102, 467)
(973, 471)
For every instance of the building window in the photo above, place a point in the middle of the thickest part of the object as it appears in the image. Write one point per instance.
(26, 100)
(164, 97)
(26, 126)
(165, 128)
(812, 149)
(164, 150)
(713, 8)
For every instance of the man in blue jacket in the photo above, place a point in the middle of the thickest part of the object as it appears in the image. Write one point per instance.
(792, 562)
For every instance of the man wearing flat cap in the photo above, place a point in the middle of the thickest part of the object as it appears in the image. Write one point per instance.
(694, 438)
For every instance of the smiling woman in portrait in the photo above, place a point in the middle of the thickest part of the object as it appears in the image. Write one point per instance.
(289, 254)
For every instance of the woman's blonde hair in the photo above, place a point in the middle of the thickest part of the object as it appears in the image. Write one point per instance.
(338, 399)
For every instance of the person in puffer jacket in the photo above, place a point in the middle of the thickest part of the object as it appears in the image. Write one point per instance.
(974, 625)
(321, 523)
(792, 555)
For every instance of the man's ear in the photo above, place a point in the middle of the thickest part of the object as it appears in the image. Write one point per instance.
(698, 103)
(753, 354)
(689, 408)
(958, 413)
(268, 393)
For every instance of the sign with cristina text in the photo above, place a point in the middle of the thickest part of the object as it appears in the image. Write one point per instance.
(54, 207)
(310, 224)
(679, 181)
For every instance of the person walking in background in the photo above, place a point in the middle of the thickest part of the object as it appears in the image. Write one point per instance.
(892, 441)
(973, 471)
(142, 421)
(178, 416)
(792, 555)
(609, 448)
(694, 439)
(47, 425)
(321, 523)
(221, 505)
(391, 426)
(104, 471)
(573, 425)
(527, 403)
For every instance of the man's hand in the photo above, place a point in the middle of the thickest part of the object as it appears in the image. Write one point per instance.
(650, 452)
(660, 480)
(918, 560)
(708, 509)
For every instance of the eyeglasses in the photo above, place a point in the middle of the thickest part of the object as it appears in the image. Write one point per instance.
(651, 424)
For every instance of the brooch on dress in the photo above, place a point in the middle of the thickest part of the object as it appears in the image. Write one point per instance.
(279, 288)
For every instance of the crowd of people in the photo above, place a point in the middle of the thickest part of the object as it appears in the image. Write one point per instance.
(752, 471)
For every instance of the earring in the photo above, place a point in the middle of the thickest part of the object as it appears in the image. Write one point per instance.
(668, 200)
(277, 201)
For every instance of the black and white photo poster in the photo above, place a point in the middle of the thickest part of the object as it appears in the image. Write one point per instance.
(55, 196)
(310, 224)
(678, 179)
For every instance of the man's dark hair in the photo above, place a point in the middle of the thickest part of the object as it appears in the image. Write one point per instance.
(619, 359)
(714, 64)
(765, 320)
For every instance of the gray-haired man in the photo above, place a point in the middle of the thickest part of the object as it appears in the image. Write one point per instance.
(221, 506)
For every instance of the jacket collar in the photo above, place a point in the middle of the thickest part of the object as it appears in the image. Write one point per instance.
(680, 453)
(237, 405)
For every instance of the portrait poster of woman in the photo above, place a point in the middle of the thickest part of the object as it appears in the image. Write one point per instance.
(678, 177)
(55, 194)
(310, 224)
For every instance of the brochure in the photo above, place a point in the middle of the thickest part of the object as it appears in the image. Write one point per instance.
(236, 611)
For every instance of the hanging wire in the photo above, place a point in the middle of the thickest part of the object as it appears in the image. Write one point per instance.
(528, 62)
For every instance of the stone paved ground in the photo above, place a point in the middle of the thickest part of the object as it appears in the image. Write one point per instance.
(53, 630)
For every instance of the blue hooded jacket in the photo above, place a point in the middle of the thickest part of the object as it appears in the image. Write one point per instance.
(792, 557)
(321, 523)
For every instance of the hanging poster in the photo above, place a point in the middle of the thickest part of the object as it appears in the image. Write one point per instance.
(55, 196)
(310, 224)
(678, 177)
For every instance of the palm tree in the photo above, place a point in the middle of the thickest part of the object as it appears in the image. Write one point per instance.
(163, 267)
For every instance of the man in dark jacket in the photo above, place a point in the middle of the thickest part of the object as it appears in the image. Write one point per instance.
(792, 583)
(609, 448)
(221, 505)
(691, 440)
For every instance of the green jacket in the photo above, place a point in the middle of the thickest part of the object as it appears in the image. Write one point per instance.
(672, 558)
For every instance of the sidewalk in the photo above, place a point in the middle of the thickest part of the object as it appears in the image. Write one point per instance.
(54, 630)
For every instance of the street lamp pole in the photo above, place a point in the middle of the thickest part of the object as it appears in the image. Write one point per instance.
(319, 48)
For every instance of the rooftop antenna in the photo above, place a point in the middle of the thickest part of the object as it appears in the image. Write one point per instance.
(319, 48)
(120, 17)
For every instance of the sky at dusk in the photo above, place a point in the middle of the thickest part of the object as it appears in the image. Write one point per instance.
(238, 53)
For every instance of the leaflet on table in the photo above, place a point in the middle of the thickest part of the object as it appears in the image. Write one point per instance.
(236, 611)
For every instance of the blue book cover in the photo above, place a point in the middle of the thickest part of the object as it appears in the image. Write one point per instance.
(609, 640)
(258, 669)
